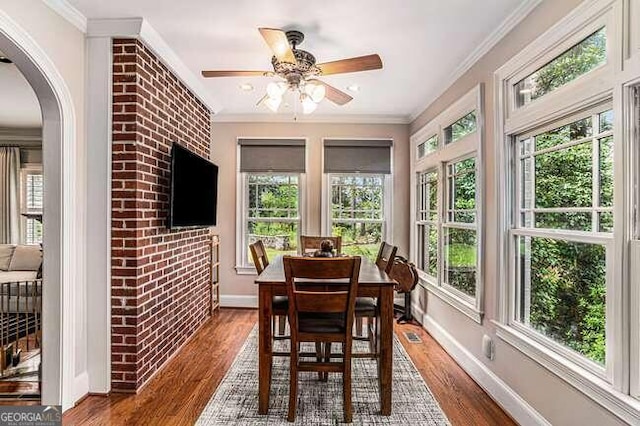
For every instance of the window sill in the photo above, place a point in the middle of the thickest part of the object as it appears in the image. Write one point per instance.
(592, 386)
(246, 270)
(450, 298)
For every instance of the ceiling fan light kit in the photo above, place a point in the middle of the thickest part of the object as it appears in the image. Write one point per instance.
(299, 72)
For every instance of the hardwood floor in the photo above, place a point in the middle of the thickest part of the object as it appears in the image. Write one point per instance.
(178, 394)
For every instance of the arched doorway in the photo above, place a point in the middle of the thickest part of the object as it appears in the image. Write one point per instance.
(62, 263)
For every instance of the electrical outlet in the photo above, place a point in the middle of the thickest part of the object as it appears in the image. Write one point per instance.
(487, 347)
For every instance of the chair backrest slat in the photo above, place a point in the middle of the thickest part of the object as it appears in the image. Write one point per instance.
(312, 243)
(313, 301)
(386, 256)
(322, 285)
(259, 256)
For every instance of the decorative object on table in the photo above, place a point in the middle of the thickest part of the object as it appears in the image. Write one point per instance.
(326, 249)
(235, 401)
(299, 72)
(405, 273)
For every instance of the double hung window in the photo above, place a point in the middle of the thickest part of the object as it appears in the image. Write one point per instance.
(271, 182)
(446, 239)
(358, 176)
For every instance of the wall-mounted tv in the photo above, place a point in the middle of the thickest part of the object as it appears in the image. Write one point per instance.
(194, 190)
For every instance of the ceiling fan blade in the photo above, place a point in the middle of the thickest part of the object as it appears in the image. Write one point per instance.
(361, 63)
(336, 96)
(279, 44)
(236, 73)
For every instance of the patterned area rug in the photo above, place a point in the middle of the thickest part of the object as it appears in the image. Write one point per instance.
(235, 402)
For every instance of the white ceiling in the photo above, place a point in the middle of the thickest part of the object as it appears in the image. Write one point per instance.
(19, 106)
(421, 43)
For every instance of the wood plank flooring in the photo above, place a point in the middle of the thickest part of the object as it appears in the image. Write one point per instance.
(178, 394)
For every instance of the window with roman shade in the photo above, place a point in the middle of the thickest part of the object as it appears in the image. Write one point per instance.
(270, 172)
(358, 179)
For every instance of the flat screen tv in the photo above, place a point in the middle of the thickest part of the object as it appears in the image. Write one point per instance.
(194, 190)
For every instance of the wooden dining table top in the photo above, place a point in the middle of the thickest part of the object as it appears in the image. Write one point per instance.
(370, 274)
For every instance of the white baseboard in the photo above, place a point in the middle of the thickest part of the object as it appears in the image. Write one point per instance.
(80, 386)
(231, 301)
(506, 397)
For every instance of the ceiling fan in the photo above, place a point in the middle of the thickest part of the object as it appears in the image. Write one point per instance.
(299, 72)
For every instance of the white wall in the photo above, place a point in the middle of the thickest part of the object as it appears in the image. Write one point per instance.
(64, 46)
(551, 397)
(223, 152)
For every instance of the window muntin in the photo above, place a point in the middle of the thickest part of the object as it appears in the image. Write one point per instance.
(460, 248)
(428, 146)
(32, 205)
(428, 222)
(564, 204)
(460, 128)
(357, 212)
(580, 59)
(273, 216)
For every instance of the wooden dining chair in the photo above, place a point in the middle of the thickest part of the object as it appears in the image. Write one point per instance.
(366, 307)
(312, 243)
(280, 303)
(321, 313)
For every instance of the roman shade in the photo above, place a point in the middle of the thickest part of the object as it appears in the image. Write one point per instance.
(363, 156)
(272, 155)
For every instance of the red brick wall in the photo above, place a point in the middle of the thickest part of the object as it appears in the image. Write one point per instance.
(160, 291)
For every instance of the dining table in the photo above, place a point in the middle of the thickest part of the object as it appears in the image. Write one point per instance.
(372, 282)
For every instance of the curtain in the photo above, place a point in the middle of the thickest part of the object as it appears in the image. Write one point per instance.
(9, 195)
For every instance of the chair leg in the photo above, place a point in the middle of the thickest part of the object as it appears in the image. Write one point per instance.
(282, 322)
(346, 386)
(358, 326)
(293, 382)
(327, 358)
(319, 355)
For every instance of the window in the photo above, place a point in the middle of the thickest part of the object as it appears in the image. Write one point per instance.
(428, 146)
(428, 222)
(357, 193)
(446, 239)
(274, 214)
(460, 128)
(32, 202)
(271, 188)
(578, 60)
(564, 177)
(357, 212)
(459, 233)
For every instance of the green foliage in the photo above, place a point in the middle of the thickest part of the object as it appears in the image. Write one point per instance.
(355, 198)
(568, 294)
(575, 62)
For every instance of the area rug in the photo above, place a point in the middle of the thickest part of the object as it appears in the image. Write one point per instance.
(235, 402)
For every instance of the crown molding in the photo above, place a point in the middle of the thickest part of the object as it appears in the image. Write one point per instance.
(141, 29)
(320, 118)
(508, 24)
(68, 12)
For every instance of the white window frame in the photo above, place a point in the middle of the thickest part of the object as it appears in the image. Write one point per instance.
(25, 170)
(470, 145)
(387, 185)
(242, 266)
(613, 388)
